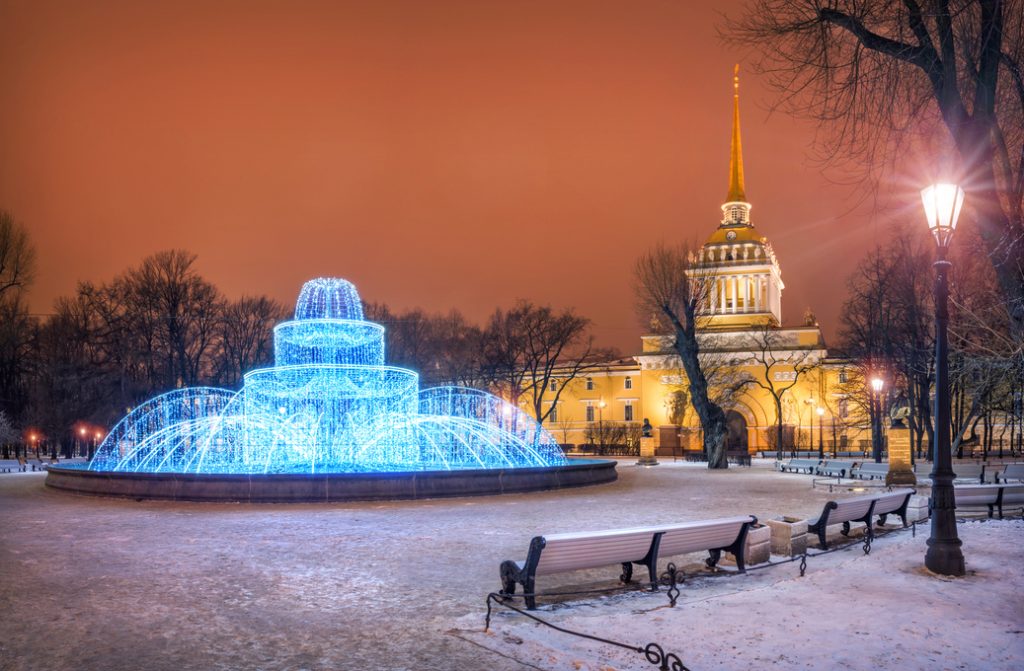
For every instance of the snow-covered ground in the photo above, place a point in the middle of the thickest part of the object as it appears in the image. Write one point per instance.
(851, 611)
(91, 583)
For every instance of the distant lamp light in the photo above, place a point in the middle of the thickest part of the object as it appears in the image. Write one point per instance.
(602, 405)
(942, 203)
(821, 411)
(877, 384)
(81, 431)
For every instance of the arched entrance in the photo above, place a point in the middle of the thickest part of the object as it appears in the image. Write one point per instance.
(735, 432)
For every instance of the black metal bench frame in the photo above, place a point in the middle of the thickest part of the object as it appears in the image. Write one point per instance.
(995, 505)
(511, 574)
(820, 527)
(789, 468)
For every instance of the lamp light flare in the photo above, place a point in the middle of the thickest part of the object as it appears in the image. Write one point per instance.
(329, 404)
(877, 384)
(942, 204)
(821, 412)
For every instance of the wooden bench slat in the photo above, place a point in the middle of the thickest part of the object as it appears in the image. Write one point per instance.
(558, 553)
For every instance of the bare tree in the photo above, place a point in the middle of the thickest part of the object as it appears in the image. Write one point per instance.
(246, 335)
(9, 435)
(17, 256)
(781, 365)
(444, 348)
(887, 327)
(181, 312)
(674, 289)
(537, 352)
(879, 74)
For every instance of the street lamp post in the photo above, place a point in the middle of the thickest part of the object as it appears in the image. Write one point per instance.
(942, 203)
(821, 441)
(83, 439)
(877, 384)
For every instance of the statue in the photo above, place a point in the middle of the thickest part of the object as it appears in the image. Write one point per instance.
(898, 413)
(646, 430)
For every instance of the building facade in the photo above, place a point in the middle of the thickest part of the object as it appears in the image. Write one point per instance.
(758, 369)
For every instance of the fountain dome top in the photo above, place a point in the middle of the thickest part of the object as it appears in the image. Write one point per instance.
(329, 298)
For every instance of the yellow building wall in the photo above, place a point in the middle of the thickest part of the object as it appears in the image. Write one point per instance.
(652, 390)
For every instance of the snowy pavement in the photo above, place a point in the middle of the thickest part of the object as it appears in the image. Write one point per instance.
(851, 611)
(89, 583)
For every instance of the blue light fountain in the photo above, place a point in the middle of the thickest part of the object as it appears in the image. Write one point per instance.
(329, 421)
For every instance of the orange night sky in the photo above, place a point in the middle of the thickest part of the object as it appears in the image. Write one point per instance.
(437, 154)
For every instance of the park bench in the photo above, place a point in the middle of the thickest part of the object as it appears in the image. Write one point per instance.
(7, 465)
(797, 465)
(892, 503)
(839, 469)
(970, 472)
(1014, 472)
(560, 553)
(869, 470)
(993, 497)
(858, 509)
(965, 473)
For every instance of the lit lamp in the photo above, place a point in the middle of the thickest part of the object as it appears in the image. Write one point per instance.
(821, 441)
(81, 434)
(942, 203)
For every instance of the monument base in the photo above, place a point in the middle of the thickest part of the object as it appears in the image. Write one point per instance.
(647, 451)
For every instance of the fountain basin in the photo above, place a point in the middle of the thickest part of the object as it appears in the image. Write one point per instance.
(328, 487)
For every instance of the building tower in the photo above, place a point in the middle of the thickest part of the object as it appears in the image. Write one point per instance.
(742, 282)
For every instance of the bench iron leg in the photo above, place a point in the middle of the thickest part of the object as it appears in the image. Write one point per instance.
(509, 575)
(627, 572)
(713, 557)
(846, 529)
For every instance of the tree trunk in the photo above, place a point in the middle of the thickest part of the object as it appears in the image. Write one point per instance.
(712, 418)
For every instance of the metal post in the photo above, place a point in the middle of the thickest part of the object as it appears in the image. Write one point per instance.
(821, 440)
(944, 555)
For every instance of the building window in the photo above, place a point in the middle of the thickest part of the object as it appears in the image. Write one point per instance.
(629, 412)
(553, 385)
(842, 377)
(590, 413)
(844, 410)
(553, 416)
(628, 384)
(590, 384)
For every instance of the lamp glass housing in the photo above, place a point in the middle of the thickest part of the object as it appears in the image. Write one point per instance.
(942, 204)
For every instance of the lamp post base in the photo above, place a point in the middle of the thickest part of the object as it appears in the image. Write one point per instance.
(945, 557)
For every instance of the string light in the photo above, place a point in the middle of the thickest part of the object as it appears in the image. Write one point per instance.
(329, 404)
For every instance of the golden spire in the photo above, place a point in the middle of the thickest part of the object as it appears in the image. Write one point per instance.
(736, 191)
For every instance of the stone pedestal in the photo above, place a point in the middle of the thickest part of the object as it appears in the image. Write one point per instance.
(917, 509)
(648, 447)
(788, 536)
(900, 471)
(758, 548)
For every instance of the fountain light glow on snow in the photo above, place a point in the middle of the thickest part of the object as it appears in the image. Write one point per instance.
(329, 404)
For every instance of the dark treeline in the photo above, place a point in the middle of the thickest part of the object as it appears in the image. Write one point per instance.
(888, 330)
(106, 348)
(161, 326)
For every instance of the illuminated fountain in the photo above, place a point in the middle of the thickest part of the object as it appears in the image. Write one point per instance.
(328, 421)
